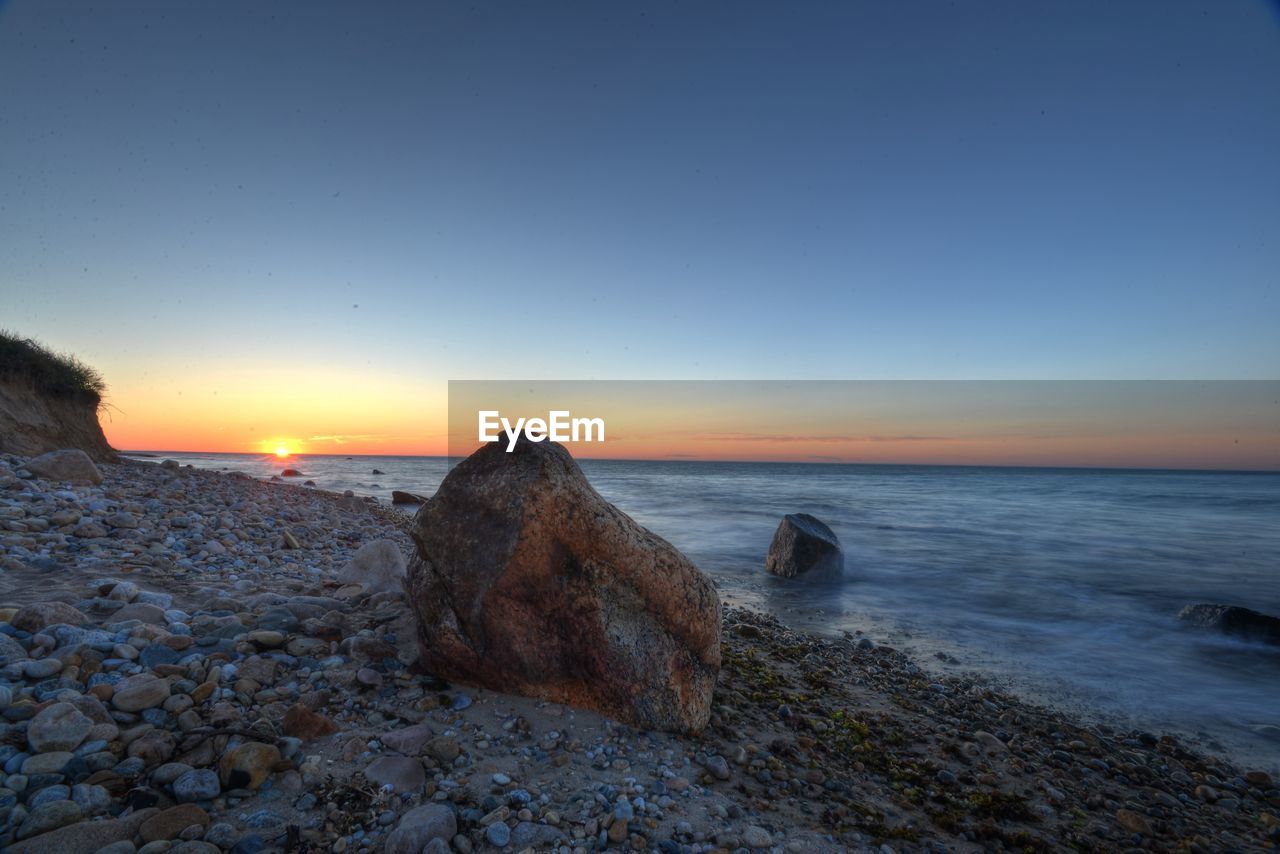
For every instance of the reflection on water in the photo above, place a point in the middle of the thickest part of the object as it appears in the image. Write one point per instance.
(1063, 583)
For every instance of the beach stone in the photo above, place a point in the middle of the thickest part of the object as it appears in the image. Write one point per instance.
(1234, 620)
(41, 668)
(171, 822)
(124, 846)
(803, 543)
(755, 836)
(124, 591)
(1259, 779)
(86, 837)
(47, 763)
(538, 837)
(143, 691)
(70, 465)
(266, 638)
(59, 727)
(153, 747)
(39, 615)
(1133, 822)
(200, 784)
(409, 740)
(10, 650)
(49, 794)
(402, 774)
(401, 497)
(192, 846)
(527, 581)
(378, 565)
(141, 611)
(50, 816)
(301, 722)
(444, 749)
(155, 654)
(89, 530)
(499, 834)
(248, 765)
(419, 826)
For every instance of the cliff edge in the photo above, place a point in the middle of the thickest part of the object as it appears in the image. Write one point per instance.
(48, 401)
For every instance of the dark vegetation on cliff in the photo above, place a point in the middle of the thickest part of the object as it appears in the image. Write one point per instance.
(49, 401)
(49, 372)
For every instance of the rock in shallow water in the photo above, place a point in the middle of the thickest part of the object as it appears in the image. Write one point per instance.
(1234, 620)
(527, 581)
(803, 543)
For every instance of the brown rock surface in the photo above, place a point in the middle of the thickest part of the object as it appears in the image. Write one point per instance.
(527, 581)
(37, 615)
(301, 722)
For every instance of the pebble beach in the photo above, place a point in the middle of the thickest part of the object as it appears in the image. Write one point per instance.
(195, 661)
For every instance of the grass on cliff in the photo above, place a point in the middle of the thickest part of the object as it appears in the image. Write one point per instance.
(55, 374)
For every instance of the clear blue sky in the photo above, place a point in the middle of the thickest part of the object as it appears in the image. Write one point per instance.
(754, 190)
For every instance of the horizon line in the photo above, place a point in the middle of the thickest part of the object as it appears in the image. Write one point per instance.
(1118, 468)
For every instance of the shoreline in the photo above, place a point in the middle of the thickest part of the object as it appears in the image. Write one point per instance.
(815, 743)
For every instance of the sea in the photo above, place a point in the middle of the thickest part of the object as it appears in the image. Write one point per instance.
(1062, 585)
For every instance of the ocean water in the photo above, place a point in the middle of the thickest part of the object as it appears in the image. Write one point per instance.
(1060, 584)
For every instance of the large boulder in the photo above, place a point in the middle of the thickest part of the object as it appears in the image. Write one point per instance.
(70, 465)
(802, 544)
(527, 581)
(1234, 620)
(379, 565)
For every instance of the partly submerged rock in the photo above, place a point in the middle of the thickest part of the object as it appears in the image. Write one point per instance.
(378, 565)
(802, 544)
(291, 473)
(70, 465)
(527, 581)
(1234, 620)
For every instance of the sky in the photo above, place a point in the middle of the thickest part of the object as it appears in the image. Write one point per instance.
(1211, 424)
(297, 221)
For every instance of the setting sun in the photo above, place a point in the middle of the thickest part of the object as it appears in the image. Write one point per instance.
(282, 451)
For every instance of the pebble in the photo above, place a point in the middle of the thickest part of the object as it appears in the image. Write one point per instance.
(498, 834)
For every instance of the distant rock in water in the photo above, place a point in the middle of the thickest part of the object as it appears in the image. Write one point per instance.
(291, 473)
(400, 497)
(71, 465)
(802, 544)
(527, 581)
(1234, 620)
(377, 471)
